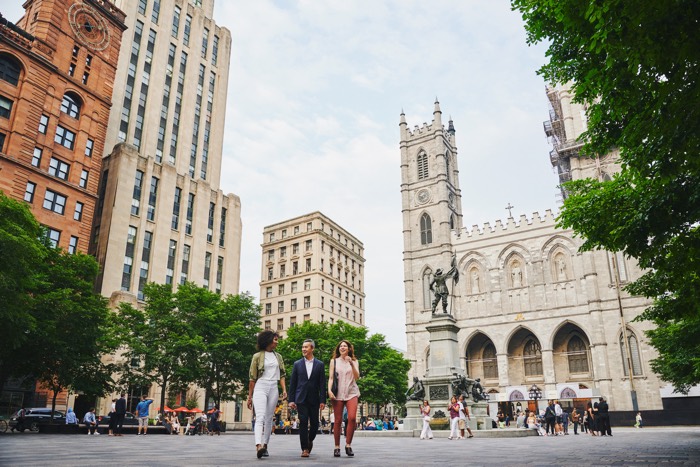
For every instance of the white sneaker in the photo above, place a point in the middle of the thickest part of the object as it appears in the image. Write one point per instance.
(422, 437)
(97, 432)
(89, 433)
(449, 437)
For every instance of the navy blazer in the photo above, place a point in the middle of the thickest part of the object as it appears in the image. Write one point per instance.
(305, 390)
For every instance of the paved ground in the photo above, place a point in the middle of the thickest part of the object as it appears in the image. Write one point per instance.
(648, 446)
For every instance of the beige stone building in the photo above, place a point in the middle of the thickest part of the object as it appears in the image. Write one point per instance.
(312, 270)
(531, 308)
(161, 215)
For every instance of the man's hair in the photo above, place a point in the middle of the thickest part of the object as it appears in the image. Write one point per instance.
(143, 396)
(310, 341)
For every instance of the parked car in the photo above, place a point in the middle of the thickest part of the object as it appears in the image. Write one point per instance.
(36, 416)
(129, 419)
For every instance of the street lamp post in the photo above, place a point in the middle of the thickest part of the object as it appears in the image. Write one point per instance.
(535, 394)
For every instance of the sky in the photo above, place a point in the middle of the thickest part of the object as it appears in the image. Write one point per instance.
(315, 93)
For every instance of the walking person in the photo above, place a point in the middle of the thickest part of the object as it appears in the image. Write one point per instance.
(142, 409)
(565, 421)
(590, 415)
(345, 370)
(550, 418)
(307, 394)
(119, 414)
(639, 423)
(427, 432)
(266, 369)
(464, 418)
(453, 407)
(603, 418)
(215, 425)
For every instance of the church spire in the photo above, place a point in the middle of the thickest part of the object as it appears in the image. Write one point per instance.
(437, 114)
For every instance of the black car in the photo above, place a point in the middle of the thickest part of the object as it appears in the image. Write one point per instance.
(36, 416)
(129, 419)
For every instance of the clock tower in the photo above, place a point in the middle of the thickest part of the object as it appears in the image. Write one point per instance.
(432, 209)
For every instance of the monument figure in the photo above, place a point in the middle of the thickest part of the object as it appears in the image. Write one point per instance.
(561, 269)
(478, 391)
(475, 282)
(517, 275)
(460, 386)
(417, 391)
(439, 285)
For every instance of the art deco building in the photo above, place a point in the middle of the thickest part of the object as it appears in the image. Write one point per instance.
(57, 72)
(531, 308)
(162, 216)
(312, 270)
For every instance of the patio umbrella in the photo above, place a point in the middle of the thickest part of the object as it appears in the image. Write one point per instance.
(166, 409)
(182, 409)
(196, 410)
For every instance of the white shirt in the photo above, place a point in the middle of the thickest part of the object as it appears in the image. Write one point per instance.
(309, 367)
(272, 367)
(557, 410)
(462, 413)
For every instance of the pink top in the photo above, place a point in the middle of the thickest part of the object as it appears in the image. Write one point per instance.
(347, 386)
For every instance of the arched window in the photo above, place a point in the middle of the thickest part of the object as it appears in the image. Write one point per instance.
(427, 296)
(532, 358)
(578, 356)
(10, 69)
(452, 221)
(71, 105)
(422, 166)
(634, 351)
(447, 166)
(490, 362)
(426, 230)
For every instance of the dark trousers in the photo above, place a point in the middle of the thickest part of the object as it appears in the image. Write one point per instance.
(549, 423)
(112, 422)
(575, 428)
(91, 428)
(604, 425)
(308, 415)
(118, 423)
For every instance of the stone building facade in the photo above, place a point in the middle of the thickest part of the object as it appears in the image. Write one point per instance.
(312, 270)
(57, 71)
(531, 308)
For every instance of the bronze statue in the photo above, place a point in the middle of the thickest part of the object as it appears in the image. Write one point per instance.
(478, 391)
(416, 392)
(439, 285)
(460, 386)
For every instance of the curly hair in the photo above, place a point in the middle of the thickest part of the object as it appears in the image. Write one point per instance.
(265, 338)
(351, 350)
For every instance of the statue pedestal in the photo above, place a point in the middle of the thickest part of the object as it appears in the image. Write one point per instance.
(413, 419)
(480, 419)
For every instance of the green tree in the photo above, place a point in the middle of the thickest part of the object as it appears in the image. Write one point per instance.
(636, 65)
(21, 254)
(224, 333)
(73, 332)
(383, 370)
(156, 340)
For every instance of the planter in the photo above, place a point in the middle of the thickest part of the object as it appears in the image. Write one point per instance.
(440, 424)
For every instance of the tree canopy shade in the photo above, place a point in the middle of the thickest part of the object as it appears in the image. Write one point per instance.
(189, 336)
(635, 64)
(383, 370)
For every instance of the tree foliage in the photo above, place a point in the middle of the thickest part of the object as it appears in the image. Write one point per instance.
(189, 336)
(635, 64)
(383, 370)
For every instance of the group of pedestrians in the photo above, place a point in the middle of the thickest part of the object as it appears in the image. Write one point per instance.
(308, 392)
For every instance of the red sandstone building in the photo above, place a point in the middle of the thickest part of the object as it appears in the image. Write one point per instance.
(57, 68)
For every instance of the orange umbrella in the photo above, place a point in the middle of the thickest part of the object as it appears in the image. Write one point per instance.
(166, 409)
(196, 410)
(182, 409)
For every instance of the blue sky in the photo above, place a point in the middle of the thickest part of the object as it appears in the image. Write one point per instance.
(315, 92)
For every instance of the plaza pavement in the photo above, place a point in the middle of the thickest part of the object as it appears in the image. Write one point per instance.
(629, 446)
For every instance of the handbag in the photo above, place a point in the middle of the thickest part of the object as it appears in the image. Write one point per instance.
(334, 385)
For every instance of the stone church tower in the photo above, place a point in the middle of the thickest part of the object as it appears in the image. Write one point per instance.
(430, 197)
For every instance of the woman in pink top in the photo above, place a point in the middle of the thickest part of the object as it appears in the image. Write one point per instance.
(345, 364)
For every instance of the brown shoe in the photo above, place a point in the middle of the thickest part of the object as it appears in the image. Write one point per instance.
(305, 453)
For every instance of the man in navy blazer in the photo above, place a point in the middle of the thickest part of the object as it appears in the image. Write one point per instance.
(307, 394)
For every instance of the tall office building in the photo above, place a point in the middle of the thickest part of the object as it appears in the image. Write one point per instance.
(162, 217)
(312, 270)
(57, 70)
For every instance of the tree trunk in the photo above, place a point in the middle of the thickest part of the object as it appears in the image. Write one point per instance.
(162, 396)
(53, 402)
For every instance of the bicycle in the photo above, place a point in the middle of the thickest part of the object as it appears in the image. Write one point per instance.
(3, 425)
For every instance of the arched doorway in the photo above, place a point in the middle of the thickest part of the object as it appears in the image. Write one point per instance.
(524, 359)
(481, 359)
(572, 355)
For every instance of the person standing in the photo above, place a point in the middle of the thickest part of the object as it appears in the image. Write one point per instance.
(142, 414)
(215, 424)
(307, 394)
(558, 412)
(464, 418)
(591, 417)
(575, 417)
(112, 418)
(21, 414)
(266, 370)
(565, 421)
(639, 423)
(453, 407)
(347, 368)
(119, 414)
(91, 422)
(427, 432)
(603, 418)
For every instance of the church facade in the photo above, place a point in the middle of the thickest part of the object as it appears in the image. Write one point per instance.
(532, 310)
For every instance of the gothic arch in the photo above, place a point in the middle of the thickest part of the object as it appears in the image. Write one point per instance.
(571, 352)
(509, 250)
(481, 356)
(635, 352)
(558, 241)
(515, 270)
(474, 284)
(426, 277)
(560, 326)
(422, 164)
(425, 227)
